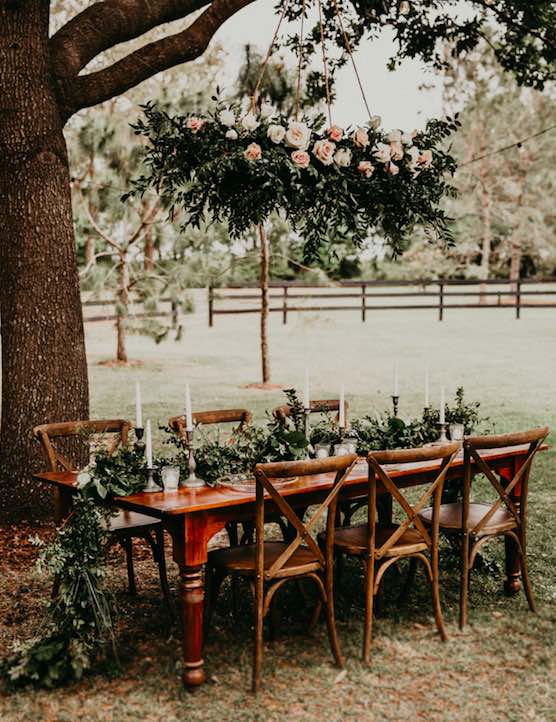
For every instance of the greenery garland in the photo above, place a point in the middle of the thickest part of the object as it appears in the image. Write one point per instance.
(329, 183)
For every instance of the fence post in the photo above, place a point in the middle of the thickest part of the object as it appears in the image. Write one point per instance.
(363, 303)
(174, 314)
(285, 305)
(210, 304)
(440, 301)
(518, 299)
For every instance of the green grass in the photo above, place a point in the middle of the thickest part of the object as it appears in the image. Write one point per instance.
(500, 668)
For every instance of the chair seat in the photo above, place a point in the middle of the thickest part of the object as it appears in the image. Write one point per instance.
(241, 559)
(353, 540)
(451, 515)
(128, 521)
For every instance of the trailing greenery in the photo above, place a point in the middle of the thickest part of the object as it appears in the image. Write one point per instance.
(328, 183)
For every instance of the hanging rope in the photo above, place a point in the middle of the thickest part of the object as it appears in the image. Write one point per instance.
(267, 57)
(325, 65)
(350, 53)
(299, 66)
(505, 148)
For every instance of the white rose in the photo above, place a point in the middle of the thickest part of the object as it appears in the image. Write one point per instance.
(375, 121)
(227, 117)
(360, 138)
(249, 122)
(407, 138)
(425, 159)
(342, 157)
(395, 136)
(298, 135)
(396, 151)
(382, 152)
(231, 134)
(267, 110)
(276, 133)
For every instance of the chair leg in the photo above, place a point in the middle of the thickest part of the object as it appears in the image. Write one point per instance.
(258, 652)
(331, 623)
(127, 543)
(464, 581)
(525, 578)
(369, 601)
(438, 618)
(160, 559)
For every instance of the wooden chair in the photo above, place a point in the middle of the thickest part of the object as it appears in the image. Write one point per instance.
(125, 525)
(283, 413)
(380, 546)
(477, 522)
(270, 564)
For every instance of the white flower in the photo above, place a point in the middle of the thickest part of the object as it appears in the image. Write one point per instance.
(83, 478)
(395, 136)
(342, 157)
(276, 133)
(298, 135)
(360, 138)
(382, 152)
(392, 168)
(396, 151)
(231, 134)
(227, 117)
(425, 159)
(365, 167)
(375, 121)
(324, 150)
(249, 122)
(267, 110)
(407, 138)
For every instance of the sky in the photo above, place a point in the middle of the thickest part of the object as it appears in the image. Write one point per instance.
(395, 96)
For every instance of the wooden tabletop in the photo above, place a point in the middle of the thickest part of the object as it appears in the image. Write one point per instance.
(187, 501)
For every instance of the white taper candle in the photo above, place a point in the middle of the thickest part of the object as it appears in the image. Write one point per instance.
(149, 445)
(188, 412)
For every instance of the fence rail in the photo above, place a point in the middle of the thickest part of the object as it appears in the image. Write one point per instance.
(171, 312)
(514, 294)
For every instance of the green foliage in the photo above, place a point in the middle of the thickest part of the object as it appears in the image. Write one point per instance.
(117, 474)
(200, 170)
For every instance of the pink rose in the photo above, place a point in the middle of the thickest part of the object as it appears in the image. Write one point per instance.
(335, 133)
(392, 168)
(366, 168)
(324, 151)
(195, 124)
(396, 150)
(301, 159)
(425, 159)
(253, 152)
(360, 138)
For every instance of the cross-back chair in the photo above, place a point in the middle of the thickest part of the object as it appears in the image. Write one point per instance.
(125, 525)
(479, 522)
(380, 545)
(268, 565)
(282, 413)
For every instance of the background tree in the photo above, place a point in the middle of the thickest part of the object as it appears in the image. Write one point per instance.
(45, 80)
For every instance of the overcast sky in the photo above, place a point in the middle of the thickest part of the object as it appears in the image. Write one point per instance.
(396, 96)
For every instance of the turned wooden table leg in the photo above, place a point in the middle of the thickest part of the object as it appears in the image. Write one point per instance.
(192, 595)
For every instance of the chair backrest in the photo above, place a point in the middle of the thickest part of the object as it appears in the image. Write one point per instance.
(283, 413)
(378, 472)
(475, 461)
(219, 416)
(265, 474)
(46, 433)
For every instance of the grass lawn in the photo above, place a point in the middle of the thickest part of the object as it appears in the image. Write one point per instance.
(501, 668)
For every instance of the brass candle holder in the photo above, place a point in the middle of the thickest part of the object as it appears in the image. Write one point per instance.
(395, 403)
(139, 444)
(192, 481)
(151, 483)
(307, 430)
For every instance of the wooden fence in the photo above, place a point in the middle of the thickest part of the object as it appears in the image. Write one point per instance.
(362, 296)
(108, 313)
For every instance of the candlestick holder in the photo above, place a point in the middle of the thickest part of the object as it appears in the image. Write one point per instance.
(442, 438)
(395, 403)
(192, 481)
(139, 444)
(307, 430)
(151, 483)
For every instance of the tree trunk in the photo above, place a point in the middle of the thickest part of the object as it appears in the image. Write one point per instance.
(122, 307)
(44, 368)
(90, 259)
(487, 227)
(265, 360)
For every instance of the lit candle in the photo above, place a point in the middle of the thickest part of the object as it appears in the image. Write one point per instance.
(427, 400)
(442, 405)
(395, 391)
(138, 410)
(188, 414)
(342, 409)
(149, 445)
(306, 391)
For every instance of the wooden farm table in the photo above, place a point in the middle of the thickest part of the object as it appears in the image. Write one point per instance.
(193, 517)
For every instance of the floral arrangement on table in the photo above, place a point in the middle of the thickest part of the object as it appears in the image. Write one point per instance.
(328, 181)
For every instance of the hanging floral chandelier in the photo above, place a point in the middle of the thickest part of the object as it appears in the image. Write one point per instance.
(328, 182)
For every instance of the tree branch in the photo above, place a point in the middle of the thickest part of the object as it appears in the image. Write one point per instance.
(106, 24)
(182, 47)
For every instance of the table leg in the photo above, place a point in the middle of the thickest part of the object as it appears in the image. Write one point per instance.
(192, 596)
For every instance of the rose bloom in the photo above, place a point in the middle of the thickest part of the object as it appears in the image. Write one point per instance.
(249, 122)
(396, 151)
(392, 168)
(276, 133)
(366, 168)
(360, 138)
(298, 135)
(407, 138)
(227, 117)
(195, 124)
(324, 151)
(335, 133)
(231, 134)
(267, 110)
(395, 136)
(375, 121)
(253, 152)
(425, 158)
(382, 152)
(301, 158)
(342, 157)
